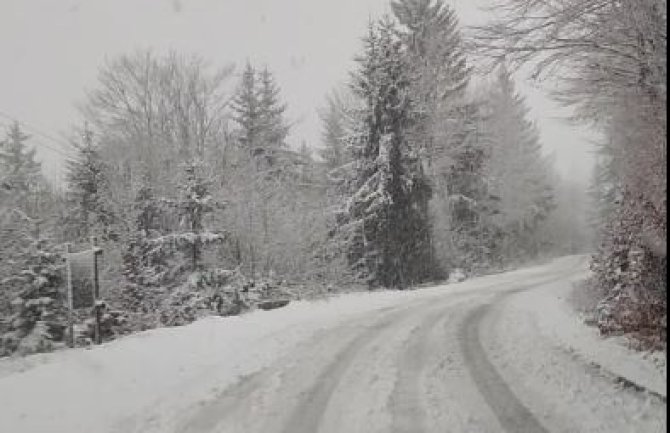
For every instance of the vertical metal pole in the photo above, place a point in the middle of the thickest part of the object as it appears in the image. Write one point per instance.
(70, 300)
(96, 290)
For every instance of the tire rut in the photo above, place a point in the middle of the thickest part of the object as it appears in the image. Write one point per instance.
(513, 416)
(307, 406)
(406, 406)
(307, 415)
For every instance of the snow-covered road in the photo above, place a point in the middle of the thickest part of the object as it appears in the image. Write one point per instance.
(502, 353)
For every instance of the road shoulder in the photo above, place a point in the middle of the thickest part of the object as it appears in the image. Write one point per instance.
(558, 320)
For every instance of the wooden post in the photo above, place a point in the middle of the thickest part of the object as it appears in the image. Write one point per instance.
(96, 290)
(70, 300)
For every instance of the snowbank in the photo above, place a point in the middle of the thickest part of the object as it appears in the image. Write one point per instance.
(558, 320)
(116, 386)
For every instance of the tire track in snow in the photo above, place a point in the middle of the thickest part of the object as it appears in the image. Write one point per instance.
(306, 407)
(238, 401)
(309, 412)
(307, 415)
(406, 406)
(511, 413)
(566, 393)
(408, 401)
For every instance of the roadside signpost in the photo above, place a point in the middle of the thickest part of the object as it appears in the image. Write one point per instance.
(83, 287)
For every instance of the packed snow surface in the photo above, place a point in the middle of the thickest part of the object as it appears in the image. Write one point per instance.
(498, 353)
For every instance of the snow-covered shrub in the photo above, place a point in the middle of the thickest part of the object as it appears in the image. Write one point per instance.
(633, 277)
(211, 292)
(38, 314)
(39, 339)
(456, 276)
(112, 324)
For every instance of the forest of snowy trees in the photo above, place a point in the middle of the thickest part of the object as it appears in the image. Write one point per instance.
(610, 60)
(186, 177)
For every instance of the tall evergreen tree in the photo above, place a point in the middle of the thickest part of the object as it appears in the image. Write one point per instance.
(22, 187)
(274, 128)
(246, 110)
(140, 265)
(472, 207)
(518, 170)
(259, 113)
(37, 319)
(192, 206)
(21, 174)
(145, 267)
(89, 210)
(440, 74)
(438, 69)
(333, 118)
(385, 218)
(263, 167)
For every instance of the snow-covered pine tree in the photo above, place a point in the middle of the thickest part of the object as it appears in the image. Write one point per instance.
(22, 191)
(246, 114)
(264, 166)
(21, 174)
(385, 221)
(518, 171)
(440, 74)
(192, 207)
(89, 212)
(259, 113)
(194, 283)
(273, 131)
(17, 173)
(333, 118)
(144, 268)
(274, 128)
(438, 69)
(342, 128)
(341, 133)
(38, 318)
(473, 232)
(246, 110)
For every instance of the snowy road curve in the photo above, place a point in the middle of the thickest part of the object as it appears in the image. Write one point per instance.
(500, 353)
(428, 366)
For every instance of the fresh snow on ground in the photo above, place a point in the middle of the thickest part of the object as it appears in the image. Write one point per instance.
(147, 381)
(565, 373)
(558, 320)
(92, 390)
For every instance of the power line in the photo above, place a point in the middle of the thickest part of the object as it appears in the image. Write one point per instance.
(38, 132)
(41, 143)
(35, 130)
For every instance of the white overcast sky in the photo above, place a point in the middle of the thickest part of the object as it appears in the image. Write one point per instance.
(51, 51)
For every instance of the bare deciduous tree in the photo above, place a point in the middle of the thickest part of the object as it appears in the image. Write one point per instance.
(154, 111)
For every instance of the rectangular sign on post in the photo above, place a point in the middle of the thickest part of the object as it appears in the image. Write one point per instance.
(83, 286)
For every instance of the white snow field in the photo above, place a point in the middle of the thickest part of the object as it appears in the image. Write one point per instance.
(502, 353)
